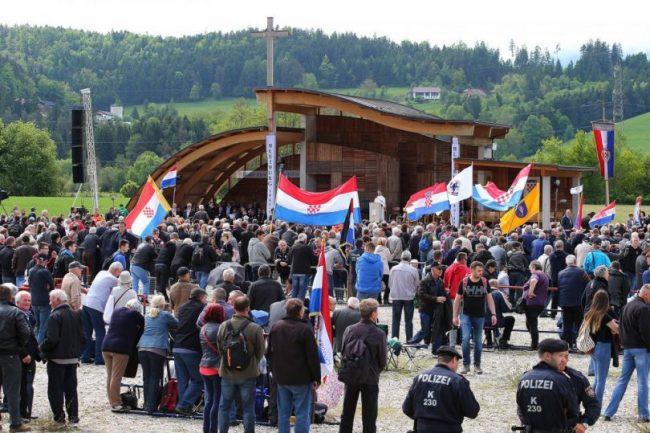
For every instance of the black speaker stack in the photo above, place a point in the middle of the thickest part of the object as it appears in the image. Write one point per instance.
(77, 146)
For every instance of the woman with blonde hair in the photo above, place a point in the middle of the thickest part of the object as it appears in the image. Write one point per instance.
(152, 349)
(602, 327)
(385, 254)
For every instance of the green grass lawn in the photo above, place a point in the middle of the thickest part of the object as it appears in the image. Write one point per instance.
(637, 132)
(198, 108)
(59, 205)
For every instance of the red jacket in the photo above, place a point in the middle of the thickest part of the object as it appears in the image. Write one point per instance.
(453, 276)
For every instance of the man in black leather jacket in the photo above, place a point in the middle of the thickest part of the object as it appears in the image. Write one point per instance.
(14, 335)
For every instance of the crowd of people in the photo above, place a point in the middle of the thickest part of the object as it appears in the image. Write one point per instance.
(224, 294)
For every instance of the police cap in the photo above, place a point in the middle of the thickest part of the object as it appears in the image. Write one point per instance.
(552, 345)
(449, 351)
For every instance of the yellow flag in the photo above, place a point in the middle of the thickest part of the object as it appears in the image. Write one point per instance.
(524, 211)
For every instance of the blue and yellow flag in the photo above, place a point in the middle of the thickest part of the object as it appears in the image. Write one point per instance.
(523, 212)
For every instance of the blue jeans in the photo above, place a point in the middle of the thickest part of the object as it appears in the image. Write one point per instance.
(362, 296)
(140, 274)
(211, 396)
(246, 390)
(189, 379)
(203, 278)
(93, 320)
(425, 328)
(298, 398)
(20, 280)
(299, 284)
(472, 327)
(408, 307)
(42, 313)
(601, 357)
(632, 359)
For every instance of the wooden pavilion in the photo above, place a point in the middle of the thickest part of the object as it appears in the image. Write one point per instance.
(388, 146)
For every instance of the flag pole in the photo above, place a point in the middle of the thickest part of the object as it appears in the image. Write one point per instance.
(174, 195)
(471, 212)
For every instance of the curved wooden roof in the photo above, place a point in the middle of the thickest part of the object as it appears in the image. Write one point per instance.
(384, 112)
(206, 165)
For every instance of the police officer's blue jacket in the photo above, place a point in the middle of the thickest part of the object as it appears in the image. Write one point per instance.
(586, 396)
(439, 399)
(546, 399)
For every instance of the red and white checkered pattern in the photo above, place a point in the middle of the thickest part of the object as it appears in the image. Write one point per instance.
(148, 212)
(313, 209)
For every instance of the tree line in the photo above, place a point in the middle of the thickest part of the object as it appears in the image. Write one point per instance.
(42, 69)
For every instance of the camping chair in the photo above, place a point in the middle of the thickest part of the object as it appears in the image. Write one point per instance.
(411, 350)
(394, 350)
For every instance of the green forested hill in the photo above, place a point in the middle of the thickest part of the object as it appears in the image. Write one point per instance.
(187, 87)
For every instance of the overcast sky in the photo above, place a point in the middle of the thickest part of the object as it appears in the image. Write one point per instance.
(547, 23)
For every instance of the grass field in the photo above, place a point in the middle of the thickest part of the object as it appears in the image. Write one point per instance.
(208, 106)
(59, 205)
(637, 132)
(196, 109)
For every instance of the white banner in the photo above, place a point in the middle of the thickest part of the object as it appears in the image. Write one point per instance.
(271, 174)
(455, 153)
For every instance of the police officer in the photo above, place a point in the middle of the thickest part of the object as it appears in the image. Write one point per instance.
(586, 397)
(439, 398)
(546, 397)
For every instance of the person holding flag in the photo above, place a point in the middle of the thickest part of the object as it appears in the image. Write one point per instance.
(293, 359)
(150, 210)
(363, 358)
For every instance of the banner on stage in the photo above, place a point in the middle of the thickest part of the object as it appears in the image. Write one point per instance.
(271, 173)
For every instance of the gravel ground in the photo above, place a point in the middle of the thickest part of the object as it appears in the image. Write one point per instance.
(495, 391)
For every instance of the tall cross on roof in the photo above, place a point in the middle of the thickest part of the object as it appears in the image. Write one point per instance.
(269, 34)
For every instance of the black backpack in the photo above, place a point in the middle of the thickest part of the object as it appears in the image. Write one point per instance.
(237, 356)
(356, 360)
(197, 256)
(107, 262)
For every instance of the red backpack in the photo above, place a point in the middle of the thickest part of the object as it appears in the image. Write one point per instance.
(169, 397)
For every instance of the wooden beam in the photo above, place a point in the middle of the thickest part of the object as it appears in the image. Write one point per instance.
(292, 99)
(208, 166)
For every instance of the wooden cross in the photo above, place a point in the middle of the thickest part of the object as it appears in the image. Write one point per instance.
(269, 34)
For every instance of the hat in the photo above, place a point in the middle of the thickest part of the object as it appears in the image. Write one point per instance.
(552, 345)
(74, 265)
(449, 351)
(125, 278)
(43, 257)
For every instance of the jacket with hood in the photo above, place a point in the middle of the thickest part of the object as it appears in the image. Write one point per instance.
(258, 253)
(370, 270)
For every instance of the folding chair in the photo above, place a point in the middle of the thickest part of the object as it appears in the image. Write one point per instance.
(393, 355)
(411, 350)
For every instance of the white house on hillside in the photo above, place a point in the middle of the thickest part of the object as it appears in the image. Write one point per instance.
(428, 93)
